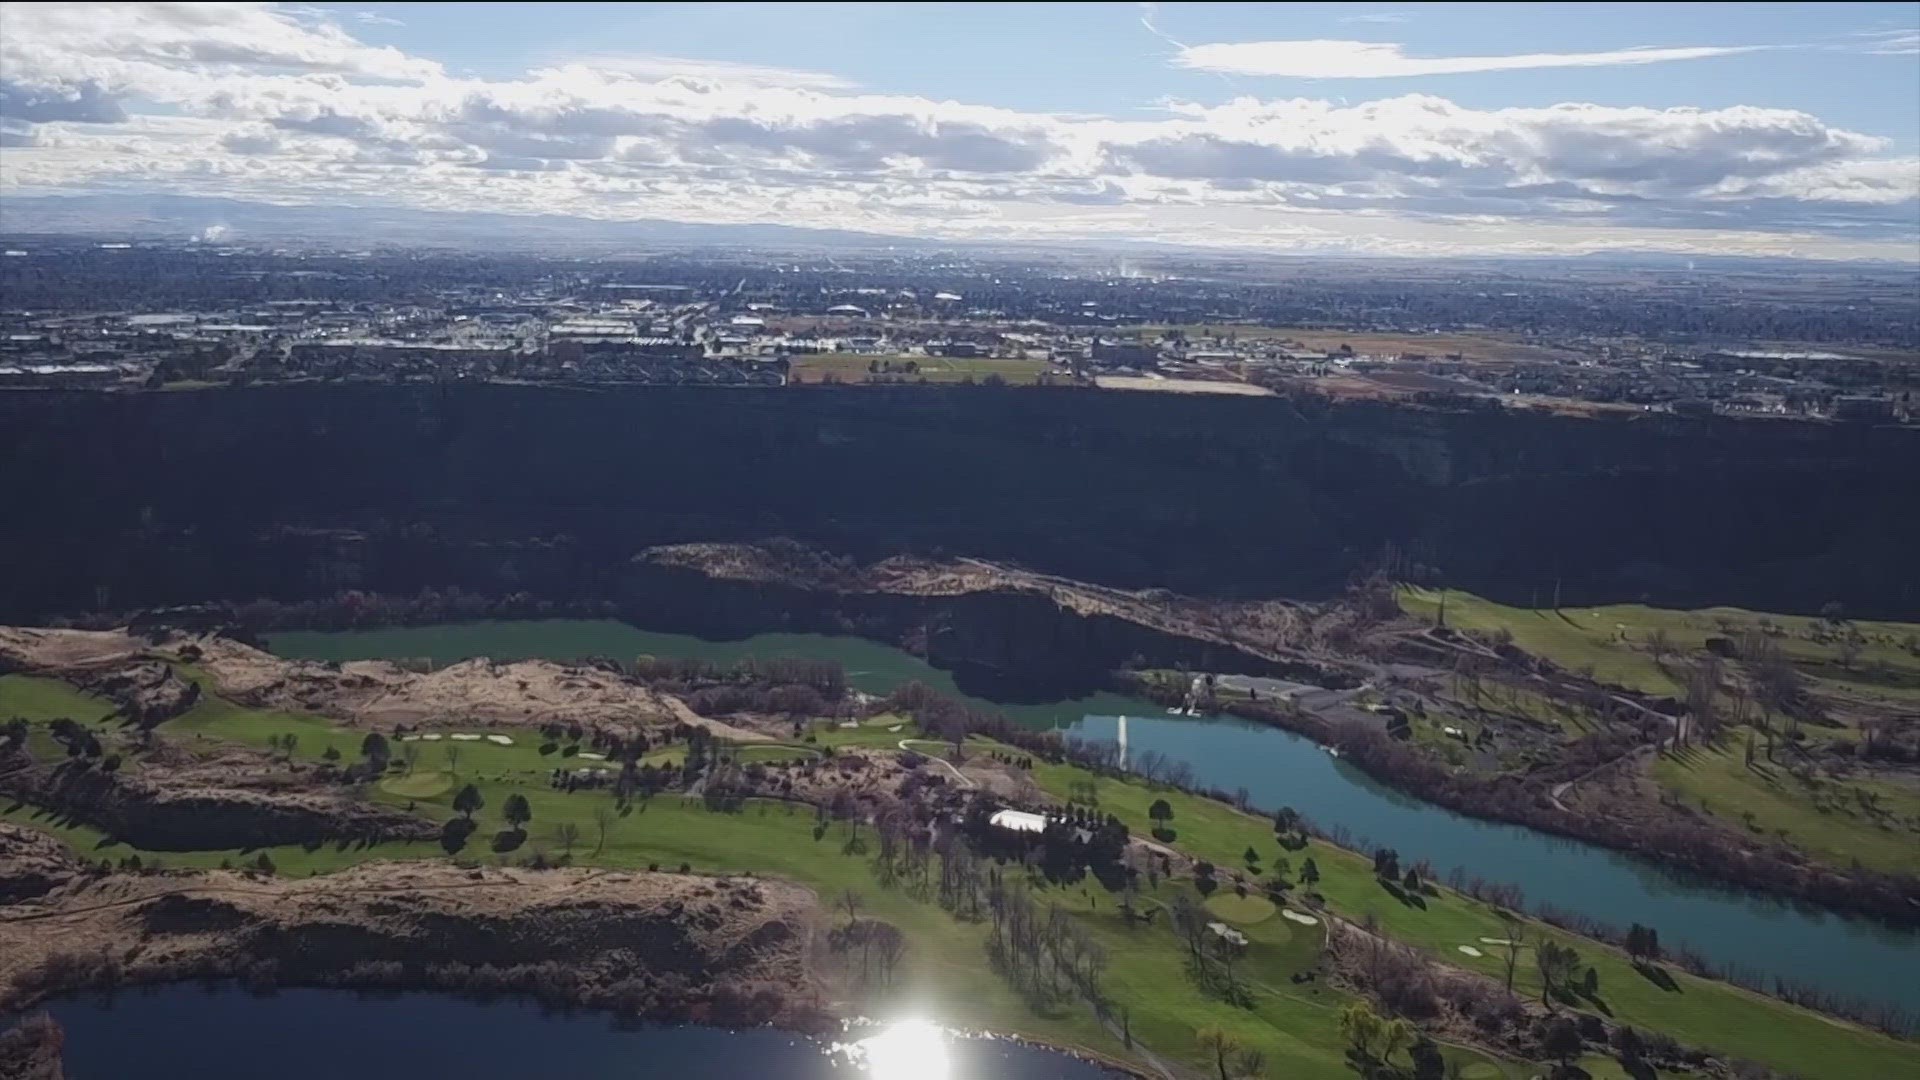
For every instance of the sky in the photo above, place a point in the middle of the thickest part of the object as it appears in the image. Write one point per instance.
(1413, 129)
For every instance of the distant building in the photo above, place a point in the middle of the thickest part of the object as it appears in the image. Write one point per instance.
(1862, 407)
(1018, 821)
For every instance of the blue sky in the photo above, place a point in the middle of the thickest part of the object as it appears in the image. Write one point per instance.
(1411, 129)
(1099, 58)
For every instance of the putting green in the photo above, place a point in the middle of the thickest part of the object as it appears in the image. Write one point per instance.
(417, 785)
(1240, 910)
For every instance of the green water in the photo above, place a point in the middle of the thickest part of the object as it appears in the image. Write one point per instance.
(1853, 958)
(870, 666)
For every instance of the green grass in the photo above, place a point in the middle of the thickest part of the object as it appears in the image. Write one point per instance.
(854, 368)
(419, 785)
(1825, 817)
(39, 700)
(1240, 910)
(1613, 639)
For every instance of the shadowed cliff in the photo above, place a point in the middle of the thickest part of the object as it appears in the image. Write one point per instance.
(140, 499)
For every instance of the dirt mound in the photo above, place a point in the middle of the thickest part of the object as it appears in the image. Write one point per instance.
(464, 695)
(57, 651)
(667, 944)
(32, 863)
(171, 815)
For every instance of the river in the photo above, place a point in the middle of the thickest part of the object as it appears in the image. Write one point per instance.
(1854, 958)
(230, 1034)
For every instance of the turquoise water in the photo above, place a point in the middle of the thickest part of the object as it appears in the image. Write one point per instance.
(228, 1034)
(1803, 943)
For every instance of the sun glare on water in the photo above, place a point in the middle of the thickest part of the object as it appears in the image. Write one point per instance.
(907, 1050)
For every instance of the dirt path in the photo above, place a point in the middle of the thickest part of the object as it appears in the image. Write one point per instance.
(957, 774)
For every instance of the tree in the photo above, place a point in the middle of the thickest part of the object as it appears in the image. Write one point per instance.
(1161, 812)
(1250, 1063)
(1561, 1039)
(1427, 1062)
(452, 752)
(566, 834)
(1309, 872)
(1218, 1042)
(1203, 878)
(374, 749)
(331, 755)
(1252, 857)
(264, 863)
(850, 902)
(410, 755)
(1557, 964)
(1411, 882)
(467, 800)
(516, 811)
(1659, 644)
(602, 821)
(1643, 942)
(1516, 937)
(1371, 1039)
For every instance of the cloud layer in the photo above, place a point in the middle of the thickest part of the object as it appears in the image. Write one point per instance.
(282, 105)
(1320, 59)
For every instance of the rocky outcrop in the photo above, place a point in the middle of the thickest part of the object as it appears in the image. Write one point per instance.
(308, 491)
(30, 1049)
(669, 945)
(159, 815)
(147, 691)
(32, 863)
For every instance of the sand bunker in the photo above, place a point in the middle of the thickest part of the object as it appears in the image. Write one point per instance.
(896, 727)
(1299, 917)
(1471, 951)
(464, 736)
(591, 756)
(1495, 941)
(500, 740)
(431, 736)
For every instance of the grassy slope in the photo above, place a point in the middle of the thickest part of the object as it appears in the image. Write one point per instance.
(1613, 637)
(1718, 779)
(1703, 1012)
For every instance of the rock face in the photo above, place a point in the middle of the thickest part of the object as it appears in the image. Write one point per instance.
(147, 691)
(30, 1050)
(32, 863)
(307, 491)
(169, 816)
(661, 944)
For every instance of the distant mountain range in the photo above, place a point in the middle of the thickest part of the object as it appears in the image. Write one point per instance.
(184, 217)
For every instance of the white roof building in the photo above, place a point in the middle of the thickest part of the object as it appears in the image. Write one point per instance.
(1018, 821)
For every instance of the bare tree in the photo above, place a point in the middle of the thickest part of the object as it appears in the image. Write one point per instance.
(602, 821)
(1516, 937)
(410, 753)
(566, 834)
(850, 902)
(452, 752)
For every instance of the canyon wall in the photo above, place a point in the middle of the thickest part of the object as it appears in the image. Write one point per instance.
(154, 498)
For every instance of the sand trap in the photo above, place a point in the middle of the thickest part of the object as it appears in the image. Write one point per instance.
(431, 736)
(591, 756)
(1495, 941)
(896, 727)
(1302, 919)
(1471, 951)
(850, 723)
(500, 740)
(464, 736)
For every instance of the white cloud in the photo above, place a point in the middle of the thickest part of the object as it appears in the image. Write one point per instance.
(1379, 18)
(1325, 59)
(265, 103)
(374, 18)
(727, 72)
(1890, 42)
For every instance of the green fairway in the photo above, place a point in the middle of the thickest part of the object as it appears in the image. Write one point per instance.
(419, 785)
(38, 700)
(1240, 910)
(1840, 818)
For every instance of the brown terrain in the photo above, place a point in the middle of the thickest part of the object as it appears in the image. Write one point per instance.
(667, 945)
